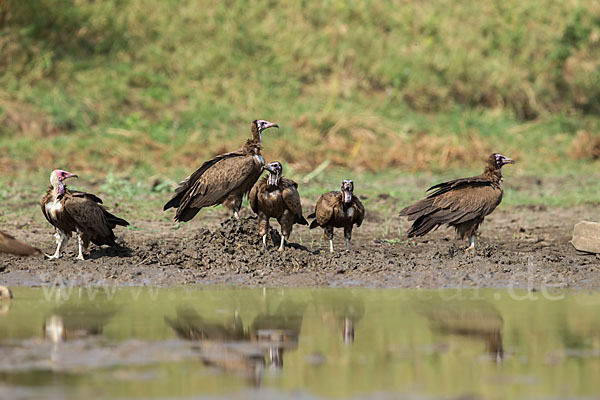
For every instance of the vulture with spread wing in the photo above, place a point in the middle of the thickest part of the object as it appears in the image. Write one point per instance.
(224, 179)
(338, 210)
(276, 197)
(461, 203)
(74, 211)
(9, 244)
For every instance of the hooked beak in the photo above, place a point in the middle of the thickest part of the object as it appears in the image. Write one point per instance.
(269, 168)
(508, 161)
(70, 175)
(270, 125)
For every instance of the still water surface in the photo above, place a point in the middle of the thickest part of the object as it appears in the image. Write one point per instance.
(306, 343)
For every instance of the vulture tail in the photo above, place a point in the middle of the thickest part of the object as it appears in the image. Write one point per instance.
(422, 226)
(174, 202)
(113, 220)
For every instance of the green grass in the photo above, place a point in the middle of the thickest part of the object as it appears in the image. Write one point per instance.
(135, 94)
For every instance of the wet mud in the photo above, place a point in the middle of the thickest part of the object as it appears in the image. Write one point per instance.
(525, 247)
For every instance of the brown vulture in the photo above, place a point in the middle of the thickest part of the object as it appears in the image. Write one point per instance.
(9, 244)
(224, 179)
(276, 197)
(461, 203)
(74, 211)
(338, 210)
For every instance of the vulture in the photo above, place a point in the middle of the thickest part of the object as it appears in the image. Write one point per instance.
(461, 203)
(276, 197)
(9, 244)
(224, 179)
(338, 210)
(74, 211)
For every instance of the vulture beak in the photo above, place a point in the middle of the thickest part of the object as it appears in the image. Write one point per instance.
(269, 125)
(270, 169)
(507, 161)
(70, 175)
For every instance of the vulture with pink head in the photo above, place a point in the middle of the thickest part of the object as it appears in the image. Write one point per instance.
(80, 212)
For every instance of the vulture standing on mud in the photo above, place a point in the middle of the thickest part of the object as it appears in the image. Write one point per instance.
(338, 210)
(224, 179)
(276, 197)
(9, 244)
(461, 203)
(74, 211)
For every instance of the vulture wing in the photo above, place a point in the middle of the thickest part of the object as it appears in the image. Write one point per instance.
(45, 200)
(253, 196)
(9, 244)
(188, 183)
(324, 208)
(463, 203)
(90, 217)
(444, 187)
(291, 199)
(216, 182)
(360, 211)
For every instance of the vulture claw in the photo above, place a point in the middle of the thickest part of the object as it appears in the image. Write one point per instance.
(51, 257)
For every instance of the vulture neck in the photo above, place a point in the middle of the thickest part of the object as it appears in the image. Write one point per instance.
(493, 173)
(58, 189)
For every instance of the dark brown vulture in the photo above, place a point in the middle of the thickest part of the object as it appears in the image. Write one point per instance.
(9, 244)
(276, 197)
(461, 203)
(338, 210)
(74, 211)
(224, 179)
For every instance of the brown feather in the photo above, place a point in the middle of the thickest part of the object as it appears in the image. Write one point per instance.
(225, 179)
(460, 203)
(281, 202)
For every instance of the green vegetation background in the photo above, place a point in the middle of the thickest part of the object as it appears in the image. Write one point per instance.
(145, 90)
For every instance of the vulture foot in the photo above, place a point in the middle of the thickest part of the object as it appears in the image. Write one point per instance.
(280, 249)
(236, 215)
(331, 245)
(347, 245)
(80, 257)
(471, 244)
(265, 240)
(52, 257)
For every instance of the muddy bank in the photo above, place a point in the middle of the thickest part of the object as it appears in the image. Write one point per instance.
(519, 246)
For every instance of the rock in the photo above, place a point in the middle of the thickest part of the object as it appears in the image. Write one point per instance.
(5, 293)
(586, 236)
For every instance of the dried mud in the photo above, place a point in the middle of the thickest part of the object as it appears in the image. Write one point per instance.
(526, 247)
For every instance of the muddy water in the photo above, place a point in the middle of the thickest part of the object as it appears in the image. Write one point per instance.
(307, 343)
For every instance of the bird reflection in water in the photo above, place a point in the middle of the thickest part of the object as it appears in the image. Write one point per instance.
(70, 323)
(474, 319)
(246, 351)
(341, 310)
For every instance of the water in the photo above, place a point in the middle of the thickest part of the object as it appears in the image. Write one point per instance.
(306, 343)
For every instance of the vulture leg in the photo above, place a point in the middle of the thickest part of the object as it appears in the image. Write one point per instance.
(61, 240)
(328, 233)
(286, 221)
(236, 215)
(80, 245)
(282, 242)
(263, 228)
(348, 235)
(471, 243)
(234, 203)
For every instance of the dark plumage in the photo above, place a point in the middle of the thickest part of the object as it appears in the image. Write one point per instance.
(461, 203)
(338, 210)
(9, 244)
(74, 211)
(224, 179)
(276, 197)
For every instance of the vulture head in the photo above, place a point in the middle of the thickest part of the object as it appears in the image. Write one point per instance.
(275, 171)
(258, 126)
(497, 161)
(57, 177)
(347, 189)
